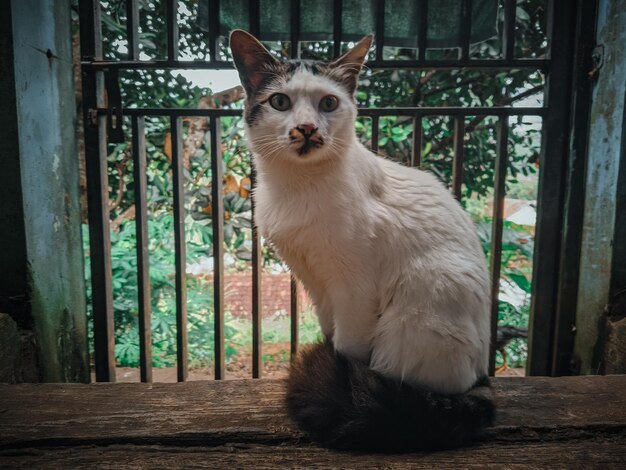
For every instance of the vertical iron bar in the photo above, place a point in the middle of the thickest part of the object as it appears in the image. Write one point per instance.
(416, 155)
(132, 28)
(337, 12)
(257, 358)
(214, 29)
(508, 30)
(380, 28)
(172, 30)
(295, 29)
(457, 163)
(496, 231)
(294, 311)
(295, 53)
(141, 229)
(561, 22)
(465, 28)
(374, 134)
(100, 251)
(255, 17)
(422, 32)
(217, 219)
(97, 192)
(563, 344)
(180, 257)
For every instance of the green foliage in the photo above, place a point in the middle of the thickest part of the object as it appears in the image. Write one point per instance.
(379, 88)
(163, 300)
(515, 276)
(276, 330)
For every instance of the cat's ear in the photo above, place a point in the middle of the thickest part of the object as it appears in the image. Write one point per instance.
(351, 62)
(251, 58)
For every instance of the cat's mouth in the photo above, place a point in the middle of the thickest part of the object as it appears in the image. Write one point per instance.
(305, 142)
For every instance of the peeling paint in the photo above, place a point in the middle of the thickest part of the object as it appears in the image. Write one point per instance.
(56, 163)
(49, 186)
(605, 137)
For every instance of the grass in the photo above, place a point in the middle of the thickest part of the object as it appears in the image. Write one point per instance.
(275, 329)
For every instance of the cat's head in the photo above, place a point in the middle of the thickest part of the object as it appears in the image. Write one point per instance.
(297, 110)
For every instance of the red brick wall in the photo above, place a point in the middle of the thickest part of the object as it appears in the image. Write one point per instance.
(275, 294)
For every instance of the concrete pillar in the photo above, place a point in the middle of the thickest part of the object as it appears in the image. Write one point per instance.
(607, 147)
(41, 265)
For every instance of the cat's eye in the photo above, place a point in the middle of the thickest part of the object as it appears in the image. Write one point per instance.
(329, 103)
(280, 102)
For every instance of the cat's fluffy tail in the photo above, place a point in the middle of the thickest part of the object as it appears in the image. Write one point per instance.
(343, 404)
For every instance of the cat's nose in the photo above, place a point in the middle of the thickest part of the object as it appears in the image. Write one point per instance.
(307, 129)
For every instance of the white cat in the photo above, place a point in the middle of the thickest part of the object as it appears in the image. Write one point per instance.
(390, 259)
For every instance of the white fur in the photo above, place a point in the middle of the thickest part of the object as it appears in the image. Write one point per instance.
(390, 259)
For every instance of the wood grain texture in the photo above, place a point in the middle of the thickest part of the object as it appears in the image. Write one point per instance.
(573, 422)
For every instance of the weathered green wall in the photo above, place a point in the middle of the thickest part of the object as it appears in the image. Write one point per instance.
(13, 272)
(41, 230)
(605, 154)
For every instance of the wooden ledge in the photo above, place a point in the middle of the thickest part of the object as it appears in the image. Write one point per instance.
(569, 422)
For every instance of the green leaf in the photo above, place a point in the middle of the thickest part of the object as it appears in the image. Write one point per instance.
(521, 281)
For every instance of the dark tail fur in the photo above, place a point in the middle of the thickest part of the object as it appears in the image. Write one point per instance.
(343, 404)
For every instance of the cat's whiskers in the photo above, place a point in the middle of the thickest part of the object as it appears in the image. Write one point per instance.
(338, 144)
(269, 148)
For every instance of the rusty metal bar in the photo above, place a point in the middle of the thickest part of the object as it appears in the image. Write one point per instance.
(97, 192)
(257, 312)
(508, 30)
(141, 229)
(420, 111)
(380, 29)
(180, 252)
(172, 30)
(496, 231)
(295, 29)
(422, 31)
(564, 335)
(100, 251)
(561, 21)
(132, 28)
(416, 154)
(465, 28)
(443, 64)
(374, 133)
(255, 17)
(217, 219)
(459, 153)
(337, 12)
(214, 31)
(294, 315)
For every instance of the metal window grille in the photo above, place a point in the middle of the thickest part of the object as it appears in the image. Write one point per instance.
(103, 121)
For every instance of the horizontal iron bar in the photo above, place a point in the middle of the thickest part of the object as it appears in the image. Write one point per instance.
(487, 64)
(407, 111)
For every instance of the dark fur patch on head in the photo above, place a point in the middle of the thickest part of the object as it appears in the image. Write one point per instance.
(313, 66)
(344, 75)
(253, 113)
(254, 107)
(258, 68)
(272, 73)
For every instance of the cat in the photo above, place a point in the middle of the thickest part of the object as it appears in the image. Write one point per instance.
(392, 262)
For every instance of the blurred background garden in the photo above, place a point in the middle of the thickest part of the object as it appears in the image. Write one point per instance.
(380, 88)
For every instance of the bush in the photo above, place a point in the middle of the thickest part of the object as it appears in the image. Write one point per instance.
(386, 88)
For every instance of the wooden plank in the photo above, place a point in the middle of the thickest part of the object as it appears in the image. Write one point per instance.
(532, 409)
(604, 452)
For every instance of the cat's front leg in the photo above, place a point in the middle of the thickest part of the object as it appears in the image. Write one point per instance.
(355, 323)
(325, 318)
